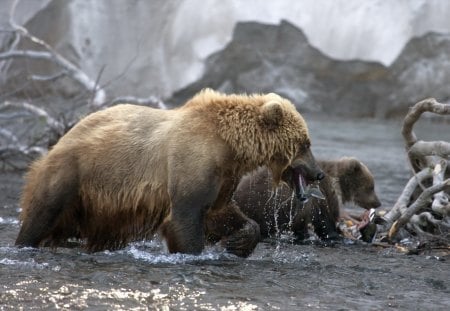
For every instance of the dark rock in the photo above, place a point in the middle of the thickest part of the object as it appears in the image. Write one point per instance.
(279, 58)
(422, 70)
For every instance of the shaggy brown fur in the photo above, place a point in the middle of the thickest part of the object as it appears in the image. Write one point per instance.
(346, 180)
(125, 172)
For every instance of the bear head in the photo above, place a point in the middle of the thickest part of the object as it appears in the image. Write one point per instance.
(356, 183)
(302, 169)
(262, 130)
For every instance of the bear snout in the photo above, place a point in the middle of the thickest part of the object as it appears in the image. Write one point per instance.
(310, 173)
(376, 203)
(368, 202)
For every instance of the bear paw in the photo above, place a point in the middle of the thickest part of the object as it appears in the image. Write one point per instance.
(243, 242)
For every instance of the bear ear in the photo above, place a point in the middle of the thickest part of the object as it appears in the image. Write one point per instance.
(272, 114)
(354, 165)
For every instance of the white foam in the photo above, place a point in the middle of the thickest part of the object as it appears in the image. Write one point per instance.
(8, 250)
(177, 258)
(27, 264)
(9, 221)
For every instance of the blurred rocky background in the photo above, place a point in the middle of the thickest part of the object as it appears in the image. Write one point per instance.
(344, 57)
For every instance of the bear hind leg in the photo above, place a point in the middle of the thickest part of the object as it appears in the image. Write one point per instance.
(43, 205)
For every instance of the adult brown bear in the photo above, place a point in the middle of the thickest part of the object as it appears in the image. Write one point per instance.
(127, 172)
(347, 180)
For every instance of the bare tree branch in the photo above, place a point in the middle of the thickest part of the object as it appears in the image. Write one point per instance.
(403, 200)
(418, 157)
(430, 148)
(22, 150)
(51, 122)
(47, 132)
(429, 160)
(9, 136)
(4, 66)
(417, 222)
(51, 78)
(421, 201)
(426, 217)
(426, 105)
(440, 200)
(51, 55)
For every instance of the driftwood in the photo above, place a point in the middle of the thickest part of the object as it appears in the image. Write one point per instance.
(418, 205)
(425, 214)
(403, 201)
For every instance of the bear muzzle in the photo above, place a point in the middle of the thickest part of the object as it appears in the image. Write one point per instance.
(306, 188)
(303, 179)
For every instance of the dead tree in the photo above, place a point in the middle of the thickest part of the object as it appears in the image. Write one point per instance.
(27, 130)
(423, 207)
(47, 53)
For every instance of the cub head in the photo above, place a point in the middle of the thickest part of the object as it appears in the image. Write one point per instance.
(357, 183)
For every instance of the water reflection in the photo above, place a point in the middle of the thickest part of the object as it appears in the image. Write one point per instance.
(75, 296)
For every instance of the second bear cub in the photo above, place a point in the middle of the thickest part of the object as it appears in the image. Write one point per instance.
(347, 180)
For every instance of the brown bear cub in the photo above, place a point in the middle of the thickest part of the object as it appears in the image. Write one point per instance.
(346, 180)
(127, 172)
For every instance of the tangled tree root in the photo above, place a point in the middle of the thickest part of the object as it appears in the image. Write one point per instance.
(423, 208)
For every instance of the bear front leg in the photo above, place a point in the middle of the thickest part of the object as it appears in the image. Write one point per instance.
(183, 230)
(191, 197)
(184, 234)
(300, 223)
(237, 233)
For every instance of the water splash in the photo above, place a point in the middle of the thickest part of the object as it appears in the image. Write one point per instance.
(31, 263)
(9, 221)
(154, 252)
(276, 204)
(8, 250)
(171, 258)
(285, 252)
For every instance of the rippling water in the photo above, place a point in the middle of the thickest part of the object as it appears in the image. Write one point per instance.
(278, 276)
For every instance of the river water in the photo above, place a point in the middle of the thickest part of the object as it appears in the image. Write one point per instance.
(279, 275)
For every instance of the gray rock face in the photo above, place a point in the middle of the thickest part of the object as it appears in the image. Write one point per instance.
(422, 70)
(279, 58)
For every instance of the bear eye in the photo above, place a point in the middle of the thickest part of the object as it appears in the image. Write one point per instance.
(304, 145)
